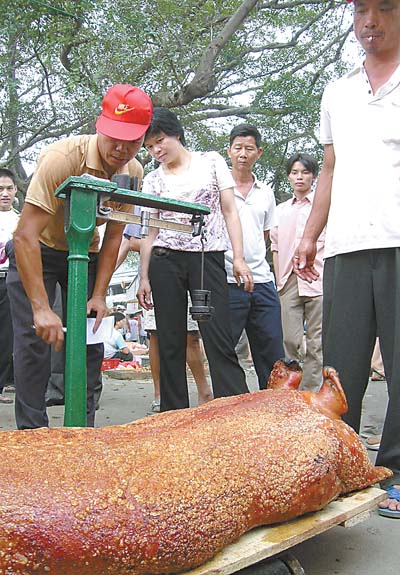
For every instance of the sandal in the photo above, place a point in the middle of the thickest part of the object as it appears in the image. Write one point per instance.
(370, 430)
(155, 405)
(373, 442)
(9, 389)
(377, 375)
(392, 493)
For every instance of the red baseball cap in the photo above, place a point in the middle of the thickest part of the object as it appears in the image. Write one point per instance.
(126, 113)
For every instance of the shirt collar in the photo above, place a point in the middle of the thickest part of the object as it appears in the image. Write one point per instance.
(256, 184)
(387, 87)
(309, 198)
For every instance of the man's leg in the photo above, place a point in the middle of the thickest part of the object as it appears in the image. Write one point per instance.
(292, 311)
(167, 272)
(387, 302)
(195, 361)
(55, 386)
(239, 308)
(377, 369)
(227, 376)
(6, 337)
(264, 330)
(154, 358)
(349, 326)
(312, 369)
(94, 356)
(31, 353)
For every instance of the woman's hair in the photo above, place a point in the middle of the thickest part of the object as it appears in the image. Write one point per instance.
(309, 162)
(163, 120)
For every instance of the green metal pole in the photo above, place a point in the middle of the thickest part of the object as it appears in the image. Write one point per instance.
(79, 227)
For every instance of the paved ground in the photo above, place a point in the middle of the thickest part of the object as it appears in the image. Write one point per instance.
(369, 548)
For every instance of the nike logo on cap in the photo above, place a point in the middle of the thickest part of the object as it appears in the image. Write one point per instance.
(122, 109)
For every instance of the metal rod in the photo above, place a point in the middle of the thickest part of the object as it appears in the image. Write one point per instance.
(153, 222)
(202, 239)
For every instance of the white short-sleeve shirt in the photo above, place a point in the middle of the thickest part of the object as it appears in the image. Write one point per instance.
(8, 224)
(257, 214)
(364, 129)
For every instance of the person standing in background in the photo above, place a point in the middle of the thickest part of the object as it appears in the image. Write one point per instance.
(257, 312)
(8, 223)
(194, 351)
(301, 302)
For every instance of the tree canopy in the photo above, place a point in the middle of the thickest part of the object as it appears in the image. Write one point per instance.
(216, 62)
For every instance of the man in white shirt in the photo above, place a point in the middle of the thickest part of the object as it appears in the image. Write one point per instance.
(358, 195)
(8, 223)
(258, 312)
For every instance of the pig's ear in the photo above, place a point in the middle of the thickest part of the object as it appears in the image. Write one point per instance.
(331, 399)
(286, 374)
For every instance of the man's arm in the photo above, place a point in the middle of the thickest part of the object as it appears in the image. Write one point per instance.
(47, 324)
(121, 346)
(127, 245)
(303, 260)
(241, 270)
(123, 252)
(105, 269)
(275, 260)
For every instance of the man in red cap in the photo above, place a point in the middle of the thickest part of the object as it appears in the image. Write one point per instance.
(358, 196)
(41, 250)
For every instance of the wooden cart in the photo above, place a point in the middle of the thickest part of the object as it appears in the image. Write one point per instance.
(263, 551)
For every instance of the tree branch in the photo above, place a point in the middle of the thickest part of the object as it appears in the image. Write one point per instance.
(204, 80)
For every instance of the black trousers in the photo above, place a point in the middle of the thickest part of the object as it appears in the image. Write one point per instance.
(172, 274)
(6, 336)
(31, 353)
(362, 301)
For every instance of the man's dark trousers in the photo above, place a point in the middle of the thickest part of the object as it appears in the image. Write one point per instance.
(259, 313)
(361, 302)
(31, 353)
(6, 335)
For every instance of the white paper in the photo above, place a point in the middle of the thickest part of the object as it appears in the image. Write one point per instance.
(103, 333)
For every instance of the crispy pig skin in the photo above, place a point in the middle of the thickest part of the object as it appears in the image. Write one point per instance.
(166, 493)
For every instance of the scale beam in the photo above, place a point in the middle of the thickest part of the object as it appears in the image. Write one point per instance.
(117, 216)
